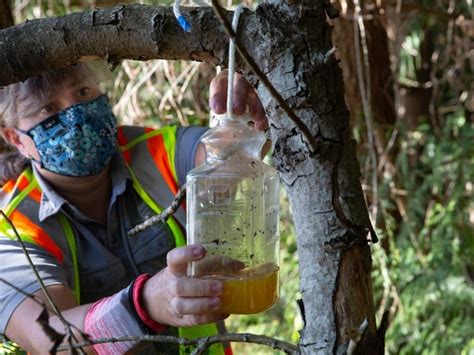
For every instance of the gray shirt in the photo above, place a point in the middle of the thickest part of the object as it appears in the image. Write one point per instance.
(108, 259)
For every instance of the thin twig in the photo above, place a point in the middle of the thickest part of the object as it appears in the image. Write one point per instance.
(50, 300)
(37, 300)
(34, 298)
(163, 216)
(231, 337)
(399, 6)
(385, 155)
(219, 11)
(328, 54)
(134, 89)
(173, 89)
(360, 332)
(203, 345)
(389, 289)
(187, 81)
(365, 93)
(435, 99)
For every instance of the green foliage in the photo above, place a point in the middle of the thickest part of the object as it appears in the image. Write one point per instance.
(9, 348)
(424, 265)
(430, 255)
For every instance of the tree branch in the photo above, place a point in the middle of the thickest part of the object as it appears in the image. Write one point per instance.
(123, 32)
(163, 216)
(231, 337)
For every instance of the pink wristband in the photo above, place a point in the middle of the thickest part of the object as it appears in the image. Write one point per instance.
(142, 313)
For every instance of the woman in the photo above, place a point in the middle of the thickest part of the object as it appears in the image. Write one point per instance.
(85, 183)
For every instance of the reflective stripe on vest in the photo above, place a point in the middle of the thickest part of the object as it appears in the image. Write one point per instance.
(29, 232)
(161, 146)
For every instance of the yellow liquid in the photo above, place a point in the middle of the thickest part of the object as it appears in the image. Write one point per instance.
(248, 291)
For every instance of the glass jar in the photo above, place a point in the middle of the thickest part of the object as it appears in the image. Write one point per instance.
(233, 211)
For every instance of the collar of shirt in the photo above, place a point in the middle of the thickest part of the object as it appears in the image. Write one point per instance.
(52, 202)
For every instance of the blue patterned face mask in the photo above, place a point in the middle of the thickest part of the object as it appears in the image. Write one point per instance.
(79, 141)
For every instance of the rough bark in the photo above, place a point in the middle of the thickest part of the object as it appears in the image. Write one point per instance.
(290, 44)
(132, 32)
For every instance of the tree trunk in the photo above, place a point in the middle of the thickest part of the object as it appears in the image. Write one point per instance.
(292, 44)
(328, 206)
(381, 77)
(122, 32)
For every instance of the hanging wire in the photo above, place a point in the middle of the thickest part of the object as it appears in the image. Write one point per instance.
(230, 83)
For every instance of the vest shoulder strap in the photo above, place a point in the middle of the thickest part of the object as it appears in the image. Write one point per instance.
(160, 145)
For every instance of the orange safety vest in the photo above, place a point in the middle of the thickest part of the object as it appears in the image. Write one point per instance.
(139, 146)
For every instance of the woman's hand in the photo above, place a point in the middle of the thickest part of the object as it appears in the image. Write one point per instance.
(171, 298)
(244, 95)
(217, 264)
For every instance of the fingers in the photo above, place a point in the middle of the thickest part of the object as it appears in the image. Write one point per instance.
(190, 320)
(182, 301)
(218, 93)
(179, 258)
(240, 95)
(202, 306)
(257, 112)
(194, 287)
(244, 96)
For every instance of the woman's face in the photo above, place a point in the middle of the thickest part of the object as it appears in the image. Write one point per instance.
(61, 97)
